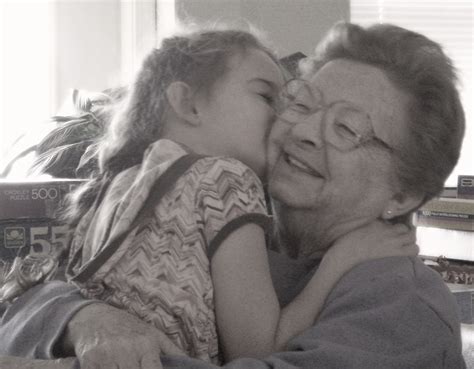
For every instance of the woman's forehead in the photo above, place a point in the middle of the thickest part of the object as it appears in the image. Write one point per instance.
(352, 81)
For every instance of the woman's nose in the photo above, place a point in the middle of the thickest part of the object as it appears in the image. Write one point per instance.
(309, 132)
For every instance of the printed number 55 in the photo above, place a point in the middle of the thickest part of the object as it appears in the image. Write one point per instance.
(38, 235)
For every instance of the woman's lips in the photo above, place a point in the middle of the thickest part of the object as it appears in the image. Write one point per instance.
(301, 166)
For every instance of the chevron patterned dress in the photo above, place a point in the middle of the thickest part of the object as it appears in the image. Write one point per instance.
(161, 271)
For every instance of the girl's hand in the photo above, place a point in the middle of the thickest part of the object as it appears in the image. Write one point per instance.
(376, 240)
(104, 337)
(373, 241)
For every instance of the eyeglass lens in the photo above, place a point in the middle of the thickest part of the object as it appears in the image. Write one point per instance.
(345, 126)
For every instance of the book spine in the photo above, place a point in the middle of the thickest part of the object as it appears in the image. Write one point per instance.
(445, 215)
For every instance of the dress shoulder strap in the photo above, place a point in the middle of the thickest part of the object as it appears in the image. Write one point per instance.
(162, 185)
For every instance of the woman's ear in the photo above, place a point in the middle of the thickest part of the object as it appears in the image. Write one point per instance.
(182, 100)
(400, 204)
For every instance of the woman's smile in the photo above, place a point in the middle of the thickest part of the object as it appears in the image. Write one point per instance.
(299, 165)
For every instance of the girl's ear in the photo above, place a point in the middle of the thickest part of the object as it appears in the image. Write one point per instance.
(182, 100)
(400, 204)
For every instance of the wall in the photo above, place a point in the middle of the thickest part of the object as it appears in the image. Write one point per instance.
(313, 17)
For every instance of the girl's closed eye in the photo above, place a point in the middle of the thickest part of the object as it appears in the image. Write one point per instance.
(268, 97)
(265, 90)
(271, 99)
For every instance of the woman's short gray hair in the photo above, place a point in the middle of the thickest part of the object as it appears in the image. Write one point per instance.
(420, 68)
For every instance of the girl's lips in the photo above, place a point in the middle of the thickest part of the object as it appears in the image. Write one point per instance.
(301, 166)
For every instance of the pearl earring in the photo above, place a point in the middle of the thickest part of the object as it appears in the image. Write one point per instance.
(389, 212)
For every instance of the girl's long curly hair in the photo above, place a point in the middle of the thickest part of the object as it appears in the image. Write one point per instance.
(199, 59)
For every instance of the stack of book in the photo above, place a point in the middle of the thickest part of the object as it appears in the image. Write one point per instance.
(29, 221)
(445, 225)
(448, 213)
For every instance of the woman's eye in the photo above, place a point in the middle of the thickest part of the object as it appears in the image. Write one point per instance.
(299, 107)
(344, 130)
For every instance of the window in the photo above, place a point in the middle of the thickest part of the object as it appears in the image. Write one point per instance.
(48, 48)
(451, 24)
(27, 81)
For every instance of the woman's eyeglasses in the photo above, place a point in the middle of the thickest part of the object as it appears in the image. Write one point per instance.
(345, 126)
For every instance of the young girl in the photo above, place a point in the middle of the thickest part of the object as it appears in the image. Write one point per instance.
(189, 255)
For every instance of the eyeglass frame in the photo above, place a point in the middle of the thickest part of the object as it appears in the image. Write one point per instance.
(282, 106)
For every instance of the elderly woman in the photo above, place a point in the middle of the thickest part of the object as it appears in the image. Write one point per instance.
(371, 131)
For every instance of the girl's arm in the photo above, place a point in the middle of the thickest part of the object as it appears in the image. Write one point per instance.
(247, 308)
(249, 317)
